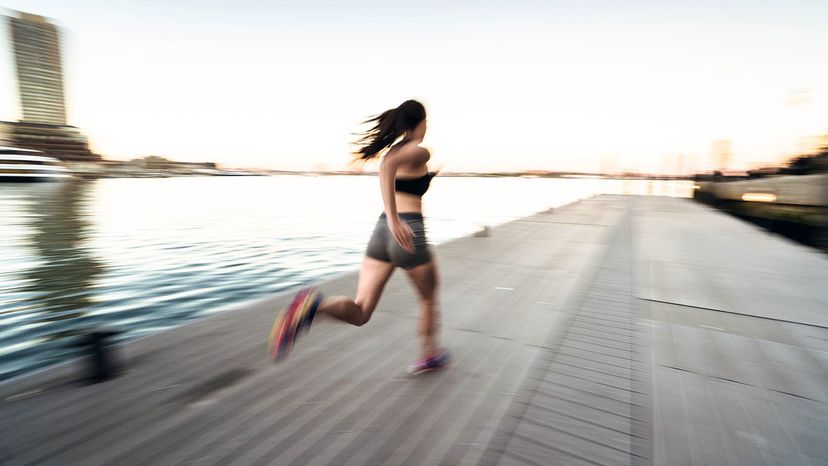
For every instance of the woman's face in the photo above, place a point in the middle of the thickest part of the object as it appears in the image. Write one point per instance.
(420, 130)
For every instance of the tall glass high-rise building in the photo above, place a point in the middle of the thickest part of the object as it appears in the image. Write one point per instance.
(36, 45)
(37, 56)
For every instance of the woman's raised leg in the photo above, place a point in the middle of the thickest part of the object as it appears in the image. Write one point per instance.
(373, 275)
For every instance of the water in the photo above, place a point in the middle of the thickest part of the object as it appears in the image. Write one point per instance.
(142, 255)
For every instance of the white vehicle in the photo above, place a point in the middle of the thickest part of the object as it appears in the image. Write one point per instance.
(29, 165)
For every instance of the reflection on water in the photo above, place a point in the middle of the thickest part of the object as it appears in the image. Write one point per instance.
(142, 255)
(61, 281)
(47, 275)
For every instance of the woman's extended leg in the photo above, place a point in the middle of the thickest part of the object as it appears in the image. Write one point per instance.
(373, 275)
(425, 279)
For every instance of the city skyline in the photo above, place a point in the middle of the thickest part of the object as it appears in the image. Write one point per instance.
(518, 86)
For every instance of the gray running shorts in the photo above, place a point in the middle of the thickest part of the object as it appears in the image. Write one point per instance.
(382, 245)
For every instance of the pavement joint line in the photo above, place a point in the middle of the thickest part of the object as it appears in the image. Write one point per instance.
(627, 331)
(740, 383)
(581, 389)
(555, 361)
(794, 394)
(565, 345)
(553, 371)
(588, 406)
(550, 447)
(575, 356)
(547, 426)
(629, 342)
(732, 312)
(499, 337)
(610, 316)
(586, 421)
(628, 350)
(589, 310)
(521, 459)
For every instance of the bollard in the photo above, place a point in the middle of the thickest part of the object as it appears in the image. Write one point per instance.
(101, 361)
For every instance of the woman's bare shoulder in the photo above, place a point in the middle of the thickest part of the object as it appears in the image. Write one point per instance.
(410, 152)
(418, 151)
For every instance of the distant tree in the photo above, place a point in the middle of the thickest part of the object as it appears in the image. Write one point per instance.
(810, 163)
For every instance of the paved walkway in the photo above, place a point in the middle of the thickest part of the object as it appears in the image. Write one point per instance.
(617, 330)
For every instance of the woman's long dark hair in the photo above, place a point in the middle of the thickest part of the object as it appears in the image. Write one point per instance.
(387, 127)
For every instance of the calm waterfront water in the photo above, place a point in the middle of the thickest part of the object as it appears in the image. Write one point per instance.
(142, 255)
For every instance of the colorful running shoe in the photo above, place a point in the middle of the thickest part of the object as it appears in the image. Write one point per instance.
(294, 321)
(438, 361)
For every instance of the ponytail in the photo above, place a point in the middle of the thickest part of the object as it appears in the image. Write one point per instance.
(387, 127)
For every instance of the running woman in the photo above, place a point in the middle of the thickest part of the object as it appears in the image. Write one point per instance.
(398, 240)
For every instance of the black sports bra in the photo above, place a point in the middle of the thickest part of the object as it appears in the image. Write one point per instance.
(415, 186)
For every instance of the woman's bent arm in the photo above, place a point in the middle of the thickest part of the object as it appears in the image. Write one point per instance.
(388, 174)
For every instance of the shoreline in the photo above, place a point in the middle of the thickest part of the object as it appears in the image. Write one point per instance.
(241, 306)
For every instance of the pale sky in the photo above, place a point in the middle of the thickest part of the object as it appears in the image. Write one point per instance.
(509, 85)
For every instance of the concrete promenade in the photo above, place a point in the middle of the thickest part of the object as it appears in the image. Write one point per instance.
(617, 330)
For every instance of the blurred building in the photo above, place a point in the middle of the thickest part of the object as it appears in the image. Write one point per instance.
(154, 162)
(36, 46)
(722, 154)
(39, 71)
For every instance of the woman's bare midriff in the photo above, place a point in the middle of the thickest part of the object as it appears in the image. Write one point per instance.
(408, 203)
